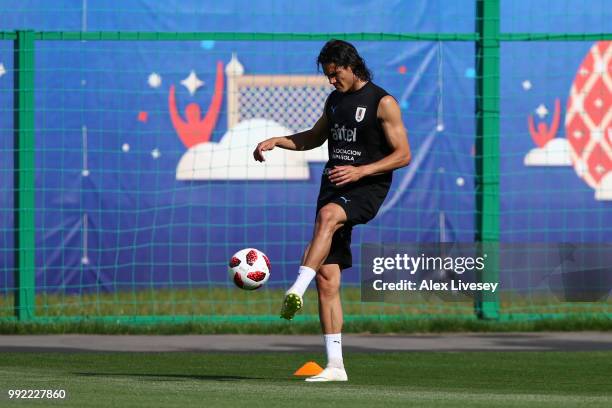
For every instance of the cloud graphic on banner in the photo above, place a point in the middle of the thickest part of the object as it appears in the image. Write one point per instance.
(554, 153)
(232, 157)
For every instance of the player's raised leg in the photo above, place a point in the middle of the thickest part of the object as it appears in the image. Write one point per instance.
(330, 218)
(293, 302)
(330, 315)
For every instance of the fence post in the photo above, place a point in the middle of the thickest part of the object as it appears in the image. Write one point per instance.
(487, 149)
(23, 184)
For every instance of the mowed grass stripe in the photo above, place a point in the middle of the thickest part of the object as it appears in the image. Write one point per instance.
(144, 392)
(511, 379)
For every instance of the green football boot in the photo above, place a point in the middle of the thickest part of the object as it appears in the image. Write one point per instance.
(291, 305)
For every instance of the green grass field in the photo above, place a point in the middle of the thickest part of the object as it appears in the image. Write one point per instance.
(467, 379)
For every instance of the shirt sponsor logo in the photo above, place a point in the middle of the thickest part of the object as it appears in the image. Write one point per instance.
(343, 134)
(345, 154)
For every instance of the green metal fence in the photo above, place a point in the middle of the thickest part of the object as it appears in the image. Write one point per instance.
(487, 39)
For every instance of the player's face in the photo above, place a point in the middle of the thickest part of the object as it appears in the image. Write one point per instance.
(342, 78)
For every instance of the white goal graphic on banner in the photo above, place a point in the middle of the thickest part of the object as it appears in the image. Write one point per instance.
(260, 107)
(293, 101)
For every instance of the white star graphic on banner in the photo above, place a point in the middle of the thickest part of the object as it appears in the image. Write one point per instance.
(2, 69)
(541, 111)
(526, 85)
(192, 83)
(154, 80)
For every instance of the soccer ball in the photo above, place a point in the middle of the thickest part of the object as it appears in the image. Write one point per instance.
(249, 268)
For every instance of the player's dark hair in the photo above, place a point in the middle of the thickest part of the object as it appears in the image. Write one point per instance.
(344, 54)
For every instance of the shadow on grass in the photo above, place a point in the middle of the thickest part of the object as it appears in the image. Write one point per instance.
(172, 377)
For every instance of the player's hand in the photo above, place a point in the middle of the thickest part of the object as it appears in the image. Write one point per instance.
(268, 144)
(341, 175)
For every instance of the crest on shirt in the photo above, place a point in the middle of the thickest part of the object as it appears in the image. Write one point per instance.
(360, 113)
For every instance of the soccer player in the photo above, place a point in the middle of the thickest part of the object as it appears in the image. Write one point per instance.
(367, 140)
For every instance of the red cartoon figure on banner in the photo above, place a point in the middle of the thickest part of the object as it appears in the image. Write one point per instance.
(544, 135)
(195, 129)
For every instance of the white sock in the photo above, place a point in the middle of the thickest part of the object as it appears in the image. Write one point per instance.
(333, 346)
(305, 276)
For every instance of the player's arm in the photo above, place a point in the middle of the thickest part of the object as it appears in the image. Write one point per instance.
(306, 140)
(390, 117)
(393, 127)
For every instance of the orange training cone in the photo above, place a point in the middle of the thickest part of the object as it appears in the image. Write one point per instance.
(308, 369)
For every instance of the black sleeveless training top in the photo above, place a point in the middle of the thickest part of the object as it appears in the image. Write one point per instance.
(355, 135)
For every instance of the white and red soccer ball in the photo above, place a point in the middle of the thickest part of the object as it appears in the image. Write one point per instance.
(249, 269)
